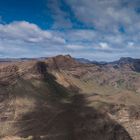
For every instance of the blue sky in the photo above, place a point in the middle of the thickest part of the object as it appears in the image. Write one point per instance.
(103, 30)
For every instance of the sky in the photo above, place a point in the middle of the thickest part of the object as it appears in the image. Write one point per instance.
(102, 30)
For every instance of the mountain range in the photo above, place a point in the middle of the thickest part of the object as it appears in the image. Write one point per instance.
(65, 98)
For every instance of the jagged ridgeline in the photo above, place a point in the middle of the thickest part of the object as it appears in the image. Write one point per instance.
(60, 98)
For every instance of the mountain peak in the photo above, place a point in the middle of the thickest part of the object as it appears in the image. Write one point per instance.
(64, 61)
(128, 59)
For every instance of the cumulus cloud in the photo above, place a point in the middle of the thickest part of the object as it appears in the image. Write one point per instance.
(115, 20)
(112, 27)
(106, 15)
(19, 39)
(24, 39)
(27, 32)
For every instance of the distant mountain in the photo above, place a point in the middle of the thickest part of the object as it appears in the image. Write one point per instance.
(131, 63)
(83, 60)
(20, 59)
(86, 61)
(124, 62)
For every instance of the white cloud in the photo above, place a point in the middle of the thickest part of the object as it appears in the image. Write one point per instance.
(109, 27)
(103, 45)
(75, 47)
(107, 15)
(19, 39)
(24, 39)
(27, 32)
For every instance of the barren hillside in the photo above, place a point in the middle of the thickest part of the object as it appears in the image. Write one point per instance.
(60, 98)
